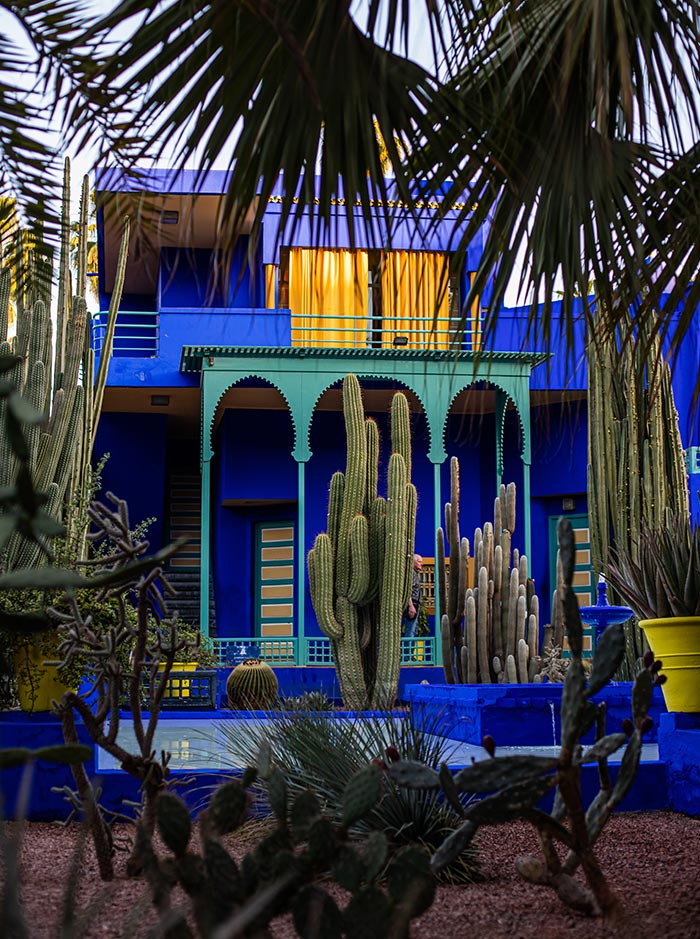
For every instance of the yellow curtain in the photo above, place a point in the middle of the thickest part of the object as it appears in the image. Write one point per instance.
(328, 297)
(270, 286)
(475, 318)
(414, 288)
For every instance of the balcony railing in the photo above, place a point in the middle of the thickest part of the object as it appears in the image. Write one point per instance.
(352, 332)
(148, 334)
(316, 650)
(136, 334)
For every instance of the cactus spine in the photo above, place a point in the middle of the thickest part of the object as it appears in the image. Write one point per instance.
(360, 569)
(57, 374)
(490, 630)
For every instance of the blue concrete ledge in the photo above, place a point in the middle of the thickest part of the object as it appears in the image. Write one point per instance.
(518, 715)
(679, 748)
(295, 680)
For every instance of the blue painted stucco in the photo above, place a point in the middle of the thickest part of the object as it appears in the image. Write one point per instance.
(136, 468)
(253, 462)
(200, 278)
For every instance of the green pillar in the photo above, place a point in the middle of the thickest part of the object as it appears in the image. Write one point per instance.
(527, 527)
(301, 657)
(501, 405)
(438, 520)
(204, 548)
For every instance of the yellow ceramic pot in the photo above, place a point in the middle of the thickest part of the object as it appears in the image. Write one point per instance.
(676, 641)
(179, 687)
(38, 684)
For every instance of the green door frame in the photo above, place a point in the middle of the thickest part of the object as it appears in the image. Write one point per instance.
(257, 578)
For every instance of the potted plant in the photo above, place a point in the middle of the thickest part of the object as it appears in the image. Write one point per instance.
(659, 578)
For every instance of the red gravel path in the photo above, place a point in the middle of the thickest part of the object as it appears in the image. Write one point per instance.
(652, 860)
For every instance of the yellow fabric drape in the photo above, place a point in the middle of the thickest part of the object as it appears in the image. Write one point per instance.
(475, 319)
(328, 297)
(270, 286)
(414, 287)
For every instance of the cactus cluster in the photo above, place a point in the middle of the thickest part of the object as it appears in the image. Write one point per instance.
(513, 786)
(489, 629)
(54, 373)
(252, 685)
(636, 463)
(361, 568)
(280, 873)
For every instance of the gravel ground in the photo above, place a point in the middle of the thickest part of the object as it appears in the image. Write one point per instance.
(651, 859)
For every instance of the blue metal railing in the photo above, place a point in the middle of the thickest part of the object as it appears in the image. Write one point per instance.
(136, 334)
(316, 650)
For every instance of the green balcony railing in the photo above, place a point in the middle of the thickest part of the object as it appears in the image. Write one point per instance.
(313, 651)
(136, 334)
(352, 332)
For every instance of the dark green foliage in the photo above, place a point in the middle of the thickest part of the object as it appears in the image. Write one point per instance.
(174, 823)
(517, 783)
(280, 874)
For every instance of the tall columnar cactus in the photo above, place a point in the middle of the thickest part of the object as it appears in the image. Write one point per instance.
(361, 568)
(490, 628)
(636, 466)
(56, 375)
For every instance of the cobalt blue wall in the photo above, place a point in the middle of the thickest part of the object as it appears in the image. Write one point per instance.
(135, 470)
(253, 462)
(188, 278)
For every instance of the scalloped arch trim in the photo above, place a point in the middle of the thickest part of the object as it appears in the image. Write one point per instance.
(239, 379)
(368, 377)
(494, 384)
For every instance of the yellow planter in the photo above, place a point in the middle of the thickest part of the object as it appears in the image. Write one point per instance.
(37, 684)
(676, 641)
(179, 687)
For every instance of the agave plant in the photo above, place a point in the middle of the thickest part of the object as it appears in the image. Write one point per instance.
(664, 578)
(318, 751)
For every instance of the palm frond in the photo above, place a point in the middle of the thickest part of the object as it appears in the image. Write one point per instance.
(278, 90)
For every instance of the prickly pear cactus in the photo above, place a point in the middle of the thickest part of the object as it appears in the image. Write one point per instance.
(512, 786)
(252, 685)
(283, 873)
(489, 629)
(361, 568)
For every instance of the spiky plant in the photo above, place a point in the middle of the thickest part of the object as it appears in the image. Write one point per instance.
(489, 627)
(660, 575)
(320, 751)
(361, 567)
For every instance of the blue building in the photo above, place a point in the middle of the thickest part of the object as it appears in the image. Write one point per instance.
(222, 413)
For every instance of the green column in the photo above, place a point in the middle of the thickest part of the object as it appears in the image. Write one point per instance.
(204, 548)
(301, 657)
(527, 527)
(437, 503)
(501, 405)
